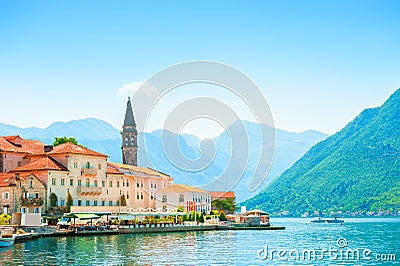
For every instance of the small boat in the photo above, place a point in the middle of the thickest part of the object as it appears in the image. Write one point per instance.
(7, 240)
(330, 221)
(335, 221)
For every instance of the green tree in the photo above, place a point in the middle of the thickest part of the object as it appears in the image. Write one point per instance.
(70, 201)
(53, 200)
(222, 216)
(123, 200)
(61, 140)
(227, 205)
(180, 209)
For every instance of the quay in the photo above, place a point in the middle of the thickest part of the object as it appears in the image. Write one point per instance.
(53, 231)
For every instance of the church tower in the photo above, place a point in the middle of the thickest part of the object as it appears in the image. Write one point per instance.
(129, 137)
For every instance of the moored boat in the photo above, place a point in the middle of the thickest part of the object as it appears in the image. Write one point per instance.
(7, 240)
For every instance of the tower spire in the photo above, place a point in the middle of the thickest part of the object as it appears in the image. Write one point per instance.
(129, 137)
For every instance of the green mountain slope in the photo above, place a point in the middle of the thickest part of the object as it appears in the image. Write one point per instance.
(356, 169)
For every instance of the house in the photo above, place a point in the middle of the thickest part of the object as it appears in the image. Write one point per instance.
(190, 198)
(222, 195)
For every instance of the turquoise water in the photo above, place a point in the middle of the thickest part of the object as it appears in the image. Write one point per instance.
(380, 238)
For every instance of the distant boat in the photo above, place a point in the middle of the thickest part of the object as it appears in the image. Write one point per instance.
(7, 240)
(330, 221)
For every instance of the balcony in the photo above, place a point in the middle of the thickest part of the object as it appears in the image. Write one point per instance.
(88, 191)
(32, 201)
(89, 171)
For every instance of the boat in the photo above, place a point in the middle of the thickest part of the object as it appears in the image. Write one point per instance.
(6, 240)
(330, 221)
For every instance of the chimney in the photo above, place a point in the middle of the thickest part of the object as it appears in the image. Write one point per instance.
(48, 148)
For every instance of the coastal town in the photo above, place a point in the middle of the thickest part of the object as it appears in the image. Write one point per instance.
(71, 188)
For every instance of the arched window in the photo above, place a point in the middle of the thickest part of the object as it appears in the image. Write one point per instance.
(132, 141)
(126, 142)
(87, 165)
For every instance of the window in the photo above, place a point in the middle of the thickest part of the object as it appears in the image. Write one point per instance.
(53, 181)
(79, 202)
(181, 198)
(164, 198)
(31, 184)
(107, 191)
(19, 164)
(95, 203)
(75, 165)
(62, 184)
(87, 182)
(155, 184)
(117, 202)
(79, 183)
(103, 183)
(141, 195)
(164, 208)
(151, 196)
(23, 210)
(6, 195)
(36, 195)
(87, 202)
(117, 183)
(137, 196)
(95, 183)
(137, 184)
(36, 210)
(127, 183)
(120, 192)
(141, 183)
(132, 141)
(103, 203)
(151, 184)
(62, 202)
(99, 166)
(126, 142)
(110, 203)
(110, 183)
(87, 165)
(127, 196)
(71, 182)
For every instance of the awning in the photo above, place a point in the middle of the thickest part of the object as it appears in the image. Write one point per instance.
(83, 216)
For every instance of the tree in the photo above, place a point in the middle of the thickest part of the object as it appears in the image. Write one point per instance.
(123, 200)
(53, 200)
(61, 140)
(227, 205)
(222, 216)
(70, 201)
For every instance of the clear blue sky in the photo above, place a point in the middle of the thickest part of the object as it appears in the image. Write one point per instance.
(318, 63)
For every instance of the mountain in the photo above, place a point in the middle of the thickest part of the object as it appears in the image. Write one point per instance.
(356, 169)
(178, 162)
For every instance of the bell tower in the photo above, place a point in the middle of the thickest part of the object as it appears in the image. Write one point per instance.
(129, 137)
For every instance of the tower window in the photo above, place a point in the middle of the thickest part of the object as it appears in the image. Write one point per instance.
(132, 141)
(126, 142)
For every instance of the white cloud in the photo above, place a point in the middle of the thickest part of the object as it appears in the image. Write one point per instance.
(130, 88)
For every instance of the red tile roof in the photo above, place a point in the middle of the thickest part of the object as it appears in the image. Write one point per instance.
(112, 170)
(70, 148)
(222, 194)
(42, 163)
(20, 145)
(6, 178)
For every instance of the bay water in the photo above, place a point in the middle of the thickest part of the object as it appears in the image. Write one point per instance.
(359, 241)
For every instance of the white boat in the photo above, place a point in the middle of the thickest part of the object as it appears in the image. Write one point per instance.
(7, 240)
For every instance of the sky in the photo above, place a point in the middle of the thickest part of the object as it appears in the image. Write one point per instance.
(317, 63)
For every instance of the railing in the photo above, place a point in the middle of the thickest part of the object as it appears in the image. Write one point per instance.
(89, 190)
(32, 201)
(89, 171)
